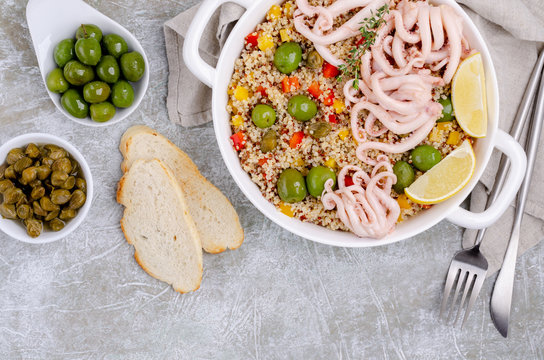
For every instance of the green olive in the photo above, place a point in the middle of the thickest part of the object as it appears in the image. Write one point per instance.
(48, 205)
(34, 227)
(37, 192)
(122, 94)
(43, 171)
(115, 45)
(301, 107)
(56, 224)
(32, 151)
(269, 141)
(92, 31)
(314, 61)
(319, 129)
(108, 70)
(88, 51)
(58, 178)
(73, 102)
(405, 176)
(291, 186)
(447, 110)
(64, 52)
(8, 211)
(22, 164)
(5, 184)
(77, 200)
(316, 178)
(12, 195)
(67, 214)
(96, 92)
(60, 196)
(77, 73)
(102, 112)
(263, 116)
(424, 157)
(132, 66)
(24, 211)
(14, 155)
(287, 57)
(37, 209)
(56, 82)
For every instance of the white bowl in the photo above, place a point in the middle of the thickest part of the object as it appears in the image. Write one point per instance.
(51, 21)
(218, 79)
(15, 228)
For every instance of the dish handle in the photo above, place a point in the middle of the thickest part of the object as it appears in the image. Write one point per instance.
(201, 69)
(518, 163)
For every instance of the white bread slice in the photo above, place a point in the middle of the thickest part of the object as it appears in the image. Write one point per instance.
(157, 222)
(216, 219)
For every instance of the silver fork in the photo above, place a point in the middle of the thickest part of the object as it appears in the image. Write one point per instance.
(468, 268)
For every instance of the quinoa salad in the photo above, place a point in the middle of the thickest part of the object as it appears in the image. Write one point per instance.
(325, 118)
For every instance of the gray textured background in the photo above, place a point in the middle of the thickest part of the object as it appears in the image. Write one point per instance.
(276, 297)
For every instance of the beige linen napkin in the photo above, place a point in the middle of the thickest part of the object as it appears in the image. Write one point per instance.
(513, 30)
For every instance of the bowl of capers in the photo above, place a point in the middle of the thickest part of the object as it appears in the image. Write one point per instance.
(46, 188)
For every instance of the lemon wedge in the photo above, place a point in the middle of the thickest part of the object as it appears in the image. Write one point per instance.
(446, 178)
(468, 96)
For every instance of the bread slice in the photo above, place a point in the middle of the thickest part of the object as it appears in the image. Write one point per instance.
(216, 220)
(157, 222)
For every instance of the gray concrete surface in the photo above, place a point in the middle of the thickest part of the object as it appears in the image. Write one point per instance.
(277, 297)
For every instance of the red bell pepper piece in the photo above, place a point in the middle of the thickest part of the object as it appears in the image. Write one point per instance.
(238, 140)
(296, 139)
(330, 71)
(348, 181)
(333, 119)
(315, 90)
(252, 38)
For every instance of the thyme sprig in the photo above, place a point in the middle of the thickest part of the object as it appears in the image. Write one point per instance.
(369, 31)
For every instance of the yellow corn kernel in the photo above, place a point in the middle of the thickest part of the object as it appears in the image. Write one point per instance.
(265, 42)
(443, 126)
(298, 162)
(403, 201)
(241, 93)
(237, 120)
(284, 35)
(287, 8)
(331, 163)
(434, 136)
(338, 106)
(343, 134)
(453, 138)
(274, 12)
(286, 209)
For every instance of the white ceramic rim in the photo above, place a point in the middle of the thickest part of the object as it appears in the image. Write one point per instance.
(219, 77)
(68, 15)
(14, 228)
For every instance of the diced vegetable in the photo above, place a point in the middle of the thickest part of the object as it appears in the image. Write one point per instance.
(329, 98)
(286, 209)
(330, 71)
(274, 12)
(343, 134)
(287, 9)
(238, 140)
(290, 83)
(296, 139)
(403, 201)
(331, 163)
(453, 138)
(265, 42)
(348, 181)
(262, 161)
(262, 90)
(241, 93)
(237, 120)
(333, 119)
(315, 90)
(338, 106)
(284, 35)
(252, 38)
(299, 162)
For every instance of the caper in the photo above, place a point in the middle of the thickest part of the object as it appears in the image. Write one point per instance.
(67, 214)
(62, 164)
(319, 129)
(52, 215)
(77, 200)
(9, 173)
(37, 193)
(47, 161)
(69, 183)
(75, 167)
(56, 225)
(2, 170)
(269, 141)
(22, 164)
(35, 183)
(58, 154)
(43, 172)
(58, 178)
(33, 227)
(14, 155)
(47, 204)
(32, 151)
(12, 195)
(314, 61)
(60, 196)
(51, 147)
(38, 210)
(5, 184)
(8, 211)
(24, 211)
(81, 184)
(28, 175)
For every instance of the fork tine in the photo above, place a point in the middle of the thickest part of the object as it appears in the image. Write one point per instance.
(469, 283)
(453, 272)
(460, 282)
(478, 282)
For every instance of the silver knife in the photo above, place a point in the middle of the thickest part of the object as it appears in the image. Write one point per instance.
(501, 297)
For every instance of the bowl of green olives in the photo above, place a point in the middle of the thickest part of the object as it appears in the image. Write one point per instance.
(95, 71)
(46, 188)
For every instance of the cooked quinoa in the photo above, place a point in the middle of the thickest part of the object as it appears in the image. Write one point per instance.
(257, 81)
